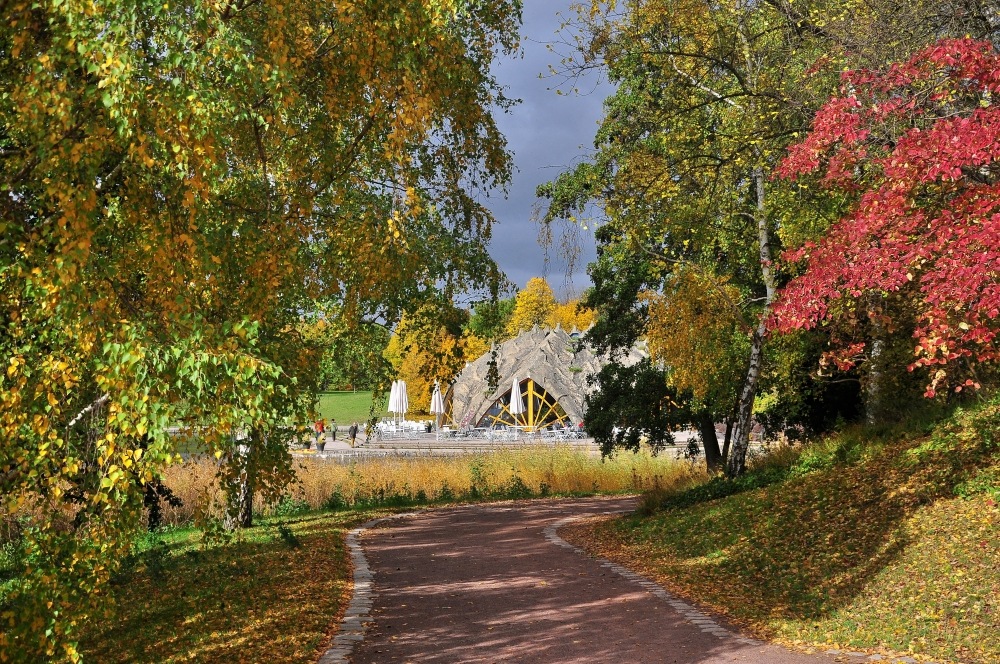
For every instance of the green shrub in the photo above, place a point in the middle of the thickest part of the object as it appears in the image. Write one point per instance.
(289, 506)
(335, 501)
(516, 488)
(445, 493)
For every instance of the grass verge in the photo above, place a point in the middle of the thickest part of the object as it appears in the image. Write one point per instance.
(274, 594)
(880, 543)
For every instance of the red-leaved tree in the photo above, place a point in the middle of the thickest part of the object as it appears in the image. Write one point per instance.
(916, 149)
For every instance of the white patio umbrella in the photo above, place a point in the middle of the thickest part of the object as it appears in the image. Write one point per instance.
(516, 402)
(393, 398)
(401, 404)
(437, 405)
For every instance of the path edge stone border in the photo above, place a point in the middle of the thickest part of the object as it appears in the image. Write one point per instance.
(700, 620)
(690, 613)
(351, 629)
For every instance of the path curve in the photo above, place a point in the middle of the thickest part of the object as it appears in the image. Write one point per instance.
(495, 583)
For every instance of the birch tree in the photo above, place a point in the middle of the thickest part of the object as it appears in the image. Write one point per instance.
(709, 97)
(683, 161)
(179, 181)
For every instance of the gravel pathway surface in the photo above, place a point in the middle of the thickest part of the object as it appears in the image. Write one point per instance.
(495, 583)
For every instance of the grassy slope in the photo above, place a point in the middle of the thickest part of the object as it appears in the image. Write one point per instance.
(854, 544)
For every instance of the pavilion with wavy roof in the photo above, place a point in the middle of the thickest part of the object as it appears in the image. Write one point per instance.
(551, 366)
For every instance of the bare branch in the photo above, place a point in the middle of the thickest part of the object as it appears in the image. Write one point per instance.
(100, 401)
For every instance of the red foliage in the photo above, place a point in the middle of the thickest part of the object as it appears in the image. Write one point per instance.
(918, 146)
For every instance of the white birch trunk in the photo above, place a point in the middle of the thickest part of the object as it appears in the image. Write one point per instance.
(736, 464)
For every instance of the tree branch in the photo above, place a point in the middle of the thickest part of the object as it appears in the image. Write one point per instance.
(701, 86)
(100, 401)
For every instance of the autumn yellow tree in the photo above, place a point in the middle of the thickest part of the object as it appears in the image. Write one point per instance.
(573, 315)
(432, 346)
(178, 183)
(536, 304)
(473, 346)
(694, 329)
(533, 305)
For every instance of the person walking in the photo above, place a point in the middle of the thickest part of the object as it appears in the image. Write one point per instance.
(352, 432)
(320, 428)
(333, 428)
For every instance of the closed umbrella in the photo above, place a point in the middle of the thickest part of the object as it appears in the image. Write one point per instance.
(516, 402)
(393, 398)
(437, 404)
(398, 403)
(404, 403)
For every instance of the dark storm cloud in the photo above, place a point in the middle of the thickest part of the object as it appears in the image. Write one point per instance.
(547, 133)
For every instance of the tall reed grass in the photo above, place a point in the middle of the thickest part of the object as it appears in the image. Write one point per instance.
(505, 473)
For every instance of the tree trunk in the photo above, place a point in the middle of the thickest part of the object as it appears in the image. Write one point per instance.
(744, 415)
(873, 390)
(239, 494)
(744, 410)
(713, 457)
(728, 438)
(874, 398)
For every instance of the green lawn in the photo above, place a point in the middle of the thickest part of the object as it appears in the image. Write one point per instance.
(349, 407)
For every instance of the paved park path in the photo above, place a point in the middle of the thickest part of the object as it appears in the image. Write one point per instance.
(495, 583)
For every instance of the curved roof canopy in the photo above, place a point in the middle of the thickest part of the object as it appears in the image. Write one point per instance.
(551, 365)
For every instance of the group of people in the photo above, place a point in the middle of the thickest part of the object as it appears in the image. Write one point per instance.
(320, 428)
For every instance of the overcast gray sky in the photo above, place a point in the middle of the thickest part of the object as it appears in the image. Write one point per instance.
(547, 133)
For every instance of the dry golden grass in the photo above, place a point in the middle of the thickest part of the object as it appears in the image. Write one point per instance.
(194, 483)
(542, 470)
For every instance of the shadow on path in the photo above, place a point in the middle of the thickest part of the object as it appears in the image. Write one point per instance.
(484, 584)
